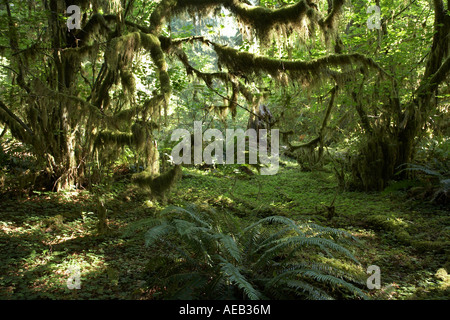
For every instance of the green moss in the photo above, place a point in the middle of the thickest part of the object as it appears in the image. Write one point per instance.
(392, 224)
(426, 246)
(159, 185)
(306, 72)
(108, 138)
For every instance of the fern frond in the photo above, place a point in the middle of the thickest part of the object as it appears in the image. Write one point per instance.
(237, 278)
(139, 226)
(299, 241)
(270, 238)
(323, 268)
(445, 184)
(310, 290)
(157, 232)
(336, 233)
(186, 256)
(418, 167)
(189, 229)
(191, 212)
(334, 281)
(230, 246)
(277, 219)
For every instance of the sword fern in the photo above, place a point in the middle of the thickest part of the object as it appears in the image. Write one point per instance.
(204, 255)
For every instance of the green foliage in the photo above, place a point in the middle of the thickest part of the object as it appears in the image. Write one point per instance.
(437, 185)
(202, 254)
(42, 235)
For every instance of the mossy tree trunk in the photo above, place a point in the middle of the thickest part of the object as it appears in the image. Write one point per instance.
(69, 120)
(65, 69)
(389, 146)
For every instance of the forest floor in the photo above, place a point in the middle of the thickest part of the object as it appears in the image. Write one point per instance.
(43, 235)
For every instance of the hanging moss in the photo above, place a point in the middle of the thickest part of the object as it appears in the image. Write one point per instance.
(301, 18)
(160, 14)
(266, 23)
(153, 45)
(329, 23)
(376, 163)
(119, 56)
(233, 101)
(96, 26)
(128, 82)
(108, 138)
(121, 51)
(220, 111)
(306, 72)
(139, 136)
(82, 53)
(160, 185)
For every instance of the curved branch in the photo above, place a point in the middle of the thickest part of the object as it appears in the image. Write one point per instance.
(437, 66)
(311, 71)
(16, 118)
(260, 18)
(329, 21)
(319, 139)
(437, 78)
(96, 22)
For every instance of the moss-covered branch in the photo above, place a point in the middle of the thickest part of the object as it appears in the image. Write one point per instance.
(208, 77)
(330, 20)
(119, 56)
(319, 140)
(302, 17)
(308, 72)
(17, 127)
(97, 24)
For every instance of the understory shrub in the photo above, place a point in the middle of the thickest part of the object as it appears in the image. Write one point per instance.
(203, 254)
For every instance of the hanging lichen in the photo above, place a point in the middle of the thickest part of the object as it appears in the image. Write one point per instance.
(159, 185)
(264, 23)
(286, 71)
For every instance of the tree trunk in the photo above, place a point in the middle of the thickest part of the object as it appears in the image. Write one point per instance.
(390, 146)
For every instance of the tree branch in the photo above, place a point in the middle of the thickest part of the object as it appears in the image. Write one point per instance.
(261, 19)
(310, 71)
(329, 21)
(16, 126)
(436, 79)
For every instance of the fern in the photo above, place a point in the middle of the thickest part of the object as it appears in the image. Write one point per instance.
(190, 212)
(140, 226)
(307, 289)
(277, 219)
(274, 257)
(418, 167)
(155, 233)
(230, 246)
(440, 175)
(236, 277)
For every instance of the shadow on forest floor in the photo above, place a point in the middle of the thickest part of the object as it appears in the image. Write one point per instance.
(43, 236)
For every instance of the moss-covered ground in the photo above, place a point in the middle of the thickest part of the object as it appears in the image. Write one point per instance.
(43, 235)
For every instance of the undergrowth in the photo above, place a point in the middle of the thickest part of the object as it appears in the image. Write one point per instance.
(45, 233)
(203, 254)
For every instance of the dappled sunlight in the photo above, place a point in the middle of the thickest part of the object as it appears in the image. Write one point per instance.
(226, 149)
(57, 241)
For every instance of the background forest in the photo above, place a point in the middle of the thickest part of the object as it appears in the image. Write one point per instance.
(92, 205)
